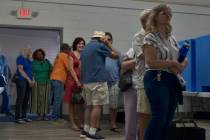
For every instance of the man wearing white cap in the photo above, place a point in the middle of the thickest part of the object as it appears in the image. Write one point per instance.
(94, 78)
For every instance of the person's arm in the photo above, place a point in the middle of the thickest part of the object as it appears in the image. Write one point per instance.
(184, 64)
(50, 65)
(128, 65)
(137, 44)
(72, 72)
(9, 76)
(114, 54)
(154, 63)
(22, 73)
(80, 73)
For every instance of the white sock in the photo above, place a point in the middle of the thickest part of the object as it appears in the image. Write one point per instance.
(92, 131)
(86, 128)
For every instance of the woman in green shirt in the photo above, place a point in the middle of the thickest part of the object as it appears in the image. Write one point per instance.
(40, 92)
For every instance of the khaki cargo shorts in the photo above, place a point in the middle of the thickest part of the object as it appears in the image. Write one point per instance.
(96, 93)
(143, 105)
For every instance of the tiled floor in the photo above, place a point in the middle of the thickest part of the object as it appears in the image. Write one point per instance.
(47, 130)
(59, 130)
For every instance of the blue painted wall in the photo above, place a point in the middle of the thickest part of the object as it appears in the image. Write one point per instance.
(197, 72)
(202, 61)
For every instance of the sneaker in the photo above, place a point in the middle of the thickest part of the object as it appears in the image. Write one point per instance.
(83, 134)
(94, 137)
(27, 120)
(10, 114)
(20, 121)
(53, 118)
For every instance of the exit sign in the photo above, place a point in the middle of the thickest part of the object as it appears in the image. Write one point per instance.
(24, 13)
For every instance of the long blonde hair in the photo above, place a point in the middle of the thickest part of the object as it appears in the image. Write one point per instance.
(151, 25)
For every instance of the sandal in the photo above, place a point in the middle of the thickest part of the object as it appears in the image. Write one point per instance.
(115, 130)
(45, 119)
(75, 128)
(39, 118)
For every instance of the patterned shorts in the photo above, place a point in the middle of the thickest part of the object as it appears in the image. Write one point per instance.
(143, 105)
(96, 93)
(113, 96)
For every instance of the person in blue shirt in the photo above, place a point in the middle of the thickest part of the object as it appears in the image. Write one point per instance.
(5, 74)
(2, 83)
(24, 83)
(113, 76)
(94, 78)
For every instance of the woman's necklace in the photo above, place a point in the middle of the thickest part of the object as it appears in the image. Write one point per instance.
(77, 54)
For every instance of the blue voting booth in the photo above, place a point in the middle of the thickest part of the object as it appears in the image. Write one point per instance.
(197, 72)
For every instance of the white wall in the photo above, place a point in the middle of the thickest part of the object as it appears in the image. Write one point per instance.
(82, 17)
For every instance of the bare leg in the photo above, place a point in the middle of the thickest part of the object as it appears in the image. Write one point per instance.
(79, 114)
(40, 116)
(95, 116)
(143, 123)
(113, 117)
(87, 115)
(72, 118)
(99, 121)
